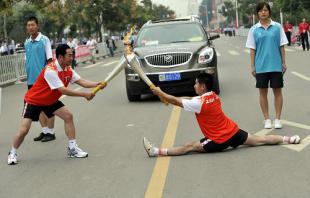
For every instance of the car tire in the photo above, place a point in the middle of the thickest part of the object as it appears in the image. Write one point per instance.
(216, 84)
(131, 97)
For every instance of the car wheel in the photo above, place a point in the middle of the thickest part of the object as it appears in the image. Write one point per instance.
(131, 97)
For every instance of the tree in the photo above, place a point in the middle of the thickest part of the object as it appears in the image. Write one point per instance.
(228, 10)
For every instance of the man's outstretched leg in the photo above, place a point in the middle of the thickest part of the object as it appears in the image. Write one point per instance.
(197, 146)
(153, 151)
(73, 149)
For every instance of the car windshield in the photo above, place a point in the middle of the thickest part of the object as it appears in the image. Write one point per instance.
(172, 33)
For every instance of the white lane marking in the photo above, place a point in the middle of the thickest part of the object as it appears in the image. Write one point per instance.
(66, 96)
(247, 51)
(289, 50)
(218, 54)
(233, 52)
(304, 142)
(295, 124)
(299, 147)
(92, 65)
(108, 64)
(300, 75)
(263, 132)
(0, 99)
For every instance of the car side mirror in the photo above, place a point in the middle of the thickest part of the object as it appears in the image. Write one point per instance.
(214, 36)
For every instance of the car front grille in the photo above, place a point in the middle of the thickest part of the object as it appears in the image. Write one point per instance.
(168, 59)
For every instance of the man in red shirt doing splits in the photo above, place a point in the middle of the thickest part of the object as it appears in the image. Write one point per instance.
(219, 131)
(44, 96)
(303, 31)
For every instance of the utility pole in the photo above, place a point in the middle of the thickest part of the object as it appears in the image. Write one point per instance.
(237, 20)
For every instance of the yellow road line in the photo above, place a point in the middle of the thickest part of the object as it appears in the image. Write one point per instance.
(158, 179)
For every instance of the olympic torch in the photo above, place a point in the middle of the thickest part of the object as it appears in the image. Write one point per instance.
(120, 66)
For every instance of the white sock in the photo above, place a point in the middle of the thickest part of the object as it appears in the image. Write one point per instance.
(72, 144)
(286, 139)
(44, 130)
(50, 131)
(163, 151)
(13, 150)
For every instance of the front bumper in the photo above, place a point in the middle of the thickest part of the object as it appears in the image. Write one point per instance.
(184, 85)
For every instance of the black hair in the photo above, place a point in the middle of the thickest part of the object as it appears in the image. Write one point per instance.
(33, 18)
(206, 79)
(261, 5)
(62, 50)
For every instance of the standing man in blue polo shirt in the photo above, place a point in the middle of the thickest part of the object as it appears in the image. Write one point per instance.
(266, 41)
(38, 54)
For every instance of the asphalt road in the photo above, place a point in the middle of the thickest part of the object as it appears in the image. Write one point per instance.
(111, 129)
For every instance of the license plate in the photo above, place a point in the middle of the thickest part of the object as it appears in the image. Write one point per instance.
(169, 77)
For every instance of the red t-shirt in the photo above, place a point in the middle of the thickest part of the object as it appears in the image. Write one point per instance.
(214, 124)
(43, 93)
(288, 27)
(303, 27)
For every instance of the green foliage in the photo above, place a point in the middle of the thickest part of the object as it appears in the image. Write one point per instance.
(228, 10)
(80, 18)
(292, 10)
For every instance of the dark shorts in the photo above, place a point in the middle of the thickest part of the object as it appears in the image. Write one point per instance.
(238, 139)
(274, 79)
(33, 112)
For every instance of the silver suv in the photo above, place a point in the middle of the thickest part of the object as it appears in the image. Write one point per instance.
(172, 53)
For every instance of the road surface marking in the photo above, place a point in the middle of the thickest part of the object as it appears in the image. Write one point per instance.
(233, 52)
(247, 51)
(299, 147)
(158, 179)
(63, 96)
(296, 147)
(92, 65)
(108, 64)
(263, 132)
(300, 75)
(289, 50)
(218, 54)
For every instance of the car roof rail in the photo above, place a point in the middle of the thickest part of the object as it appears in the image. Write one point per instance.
(187, 18)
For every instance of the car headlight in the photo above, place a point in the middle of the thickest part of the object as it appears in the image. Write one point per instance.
(206, 55)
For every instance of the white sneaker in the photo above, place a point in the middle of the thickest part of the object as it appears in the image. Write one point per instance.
(12, 158)
(149, 148)
(277, 124)
(267, 124)
(76, 152)
(294, 139)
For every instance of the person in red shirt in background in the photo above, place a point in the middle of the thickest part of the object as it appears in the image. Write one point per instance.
(219, 131)
(303, 31)
(288, 29)
(44, 96)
